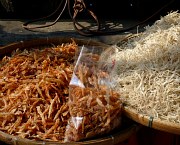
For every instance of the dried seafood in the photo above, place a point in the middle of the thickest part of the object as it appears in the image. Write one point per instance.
(95, 108)
(34, 92)
(34, 96)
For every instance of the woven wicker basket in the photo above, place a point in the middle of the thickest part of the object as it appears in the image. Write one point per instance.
(158, 124)
(110, 139)
(149, 121)
(119, 135)
(49, 41)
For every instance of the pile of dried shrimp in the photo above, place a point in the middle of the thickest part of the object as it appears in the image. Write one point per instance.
(35, 97)
(34, 92)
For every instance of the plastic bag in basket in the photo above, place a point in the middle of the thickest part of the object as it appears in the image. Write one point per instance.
(94, 106)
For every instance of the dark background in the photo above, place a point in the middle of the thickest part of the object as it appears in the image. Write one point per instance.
(105, 9)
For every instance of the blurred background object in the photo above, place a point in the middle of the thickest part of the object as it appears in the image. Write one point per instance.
(133, 9)
(27, 9)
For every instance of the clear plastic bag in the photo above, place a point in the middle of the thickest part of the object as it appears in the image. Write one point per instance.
(94, 107)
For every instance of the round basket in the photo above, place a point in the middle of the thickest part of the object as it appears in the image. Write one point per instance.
(111, 139)
(145, 120)
(49, 41)
(124, 132)
(151, 122)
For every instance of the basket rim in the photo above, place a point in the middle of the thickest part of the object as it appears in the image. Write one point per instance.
(109, 139)
(49, 40)
(151, 122)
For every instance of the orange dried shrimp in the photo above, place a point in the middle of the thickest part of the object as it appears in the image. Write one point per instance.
(35, 99)
(34, 92)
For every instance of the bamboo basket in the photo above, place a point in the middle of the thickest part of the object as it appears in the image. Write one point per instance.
(110, 139)
(121, 134)
(49, 41)
(148, 121)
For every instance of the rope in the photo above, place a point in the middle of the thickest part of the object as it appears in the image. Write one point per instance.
(26, 25)
(87, 32)
(150, 121)
(80, 7)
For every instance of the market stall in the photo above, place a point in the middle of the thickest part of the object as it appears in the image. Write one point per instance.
(58, 86)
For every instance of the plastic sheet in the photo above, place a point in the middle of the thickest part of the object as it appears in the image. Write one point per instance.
(95, 108)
